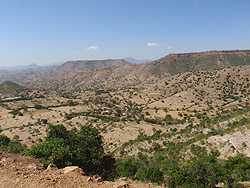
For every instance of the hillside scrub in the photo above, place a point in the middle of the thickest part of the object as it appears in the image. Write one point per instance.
(12, 146)
(204, 170)
(83, 148)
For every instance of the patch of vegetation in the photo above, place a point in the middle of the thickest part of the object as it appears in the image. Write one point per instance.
(83, 148)
(203, 170)
(138, 169)
(40, 107)
(12, 146)
(169, 120)
(143, 137)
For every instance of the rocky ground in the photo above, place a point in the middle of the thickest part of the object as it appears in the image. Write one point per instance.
(19, 171)
(198, 106)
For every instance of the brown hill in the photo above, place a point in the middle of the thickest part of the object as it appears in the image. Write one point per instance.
(199, 61)
(120, 73)
(9, 88)
(91, 64)
(117, 73)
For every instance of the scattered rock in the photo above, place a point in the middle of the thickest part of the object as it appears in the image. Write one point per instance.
(69, 169)
(220, 185)
(90, 179)
(245, 184)
(32, 166)
(122, 184)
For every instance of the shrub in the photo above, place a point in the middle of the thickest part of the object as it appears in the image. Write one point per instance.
(58, 131)
(62, 147)
(139, 169)
(153, 174)
(127, 167)
(238, 168)
(52, 151)
(4, 140)
(168, 119)
(87, 148)
(40, 107)
(204, 171)
(12, 146)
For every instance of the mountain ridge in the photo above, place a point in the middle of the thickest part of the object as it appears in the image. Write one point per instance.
(120, 72)
(199, 61)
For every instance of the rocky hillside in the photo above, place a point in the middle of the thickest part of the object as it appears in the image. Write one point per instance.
(171, 109)
(119, 73)
(200, 61)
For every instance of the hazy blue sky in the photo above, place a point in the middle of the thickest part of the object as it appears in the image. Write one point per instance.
(49, 31)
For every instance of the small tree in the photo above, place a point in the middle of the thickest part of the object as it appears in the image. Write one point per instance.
(152, 173)
(12, 146)
(52, 150)
(238, 168)
(4, 140)
(62, 147)
(127, 167)
(58, 131)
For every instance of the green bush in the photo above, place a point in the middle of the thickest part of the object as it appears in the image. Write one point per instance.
(16, 147)
(127, 167)
(139, 169)
(238, 168)
(4, 140)
(204, 171)
(152, 174)
(53, 151)
(40, 107)
(12, 146)
(58, 131)
(87, 148)
(168, 119)
(62, 147)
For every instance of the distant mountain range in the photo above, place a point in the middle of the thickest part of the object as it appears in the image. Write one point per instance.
(122, 72)
(200, 61)
(137, 61)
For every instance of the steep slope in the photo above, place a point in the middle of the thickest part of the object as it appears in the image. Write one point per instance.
(200, 61)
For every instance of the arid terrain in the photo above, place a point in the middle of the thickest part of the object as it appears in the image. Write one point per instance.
(194, 99)
(17, 171)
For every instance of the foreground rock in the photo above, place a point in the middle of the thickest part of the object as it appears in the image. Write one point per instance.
(245, 184)
(19, 171)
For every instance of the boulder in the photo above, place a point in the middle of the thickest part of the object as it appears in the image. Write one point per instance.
(69, 169)
(245, 184)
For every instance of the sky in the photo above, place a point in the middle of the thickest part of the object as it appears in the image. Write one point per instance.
(52, 31)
